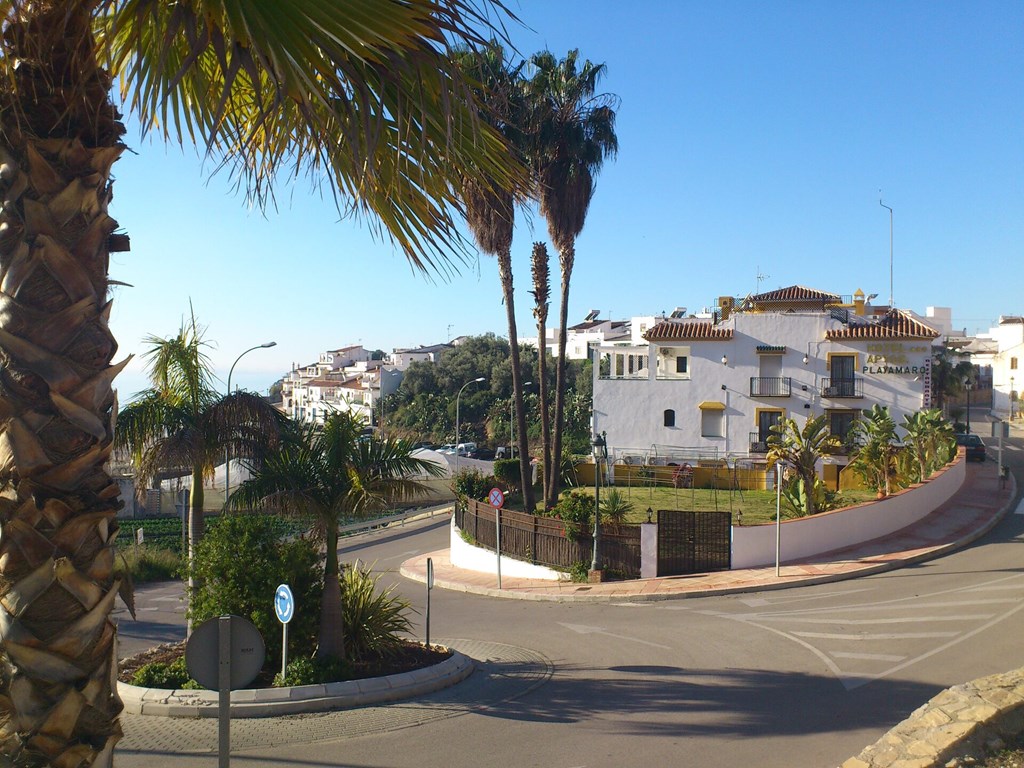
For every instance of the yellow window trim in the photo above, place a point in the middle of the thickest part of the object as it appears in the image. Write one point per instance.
(712, 405)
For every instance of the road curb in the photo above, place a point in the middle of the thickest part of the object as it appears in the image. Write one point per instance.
(272, 702)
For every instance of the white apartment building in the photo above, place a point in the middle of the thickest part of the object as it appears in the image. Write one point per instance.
(712, 388)
(580, 338)
(403, 358)
(1002, 348)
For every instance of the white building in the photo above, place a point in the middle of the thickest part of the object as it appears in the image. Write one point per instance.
(580, 338)
(712, 388)
(1002, 348)
(403, 358)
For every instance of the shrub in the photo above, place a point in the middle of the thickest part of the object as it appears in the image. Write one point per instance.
(373, 619)
(162, 675)
(580, 571)
(237, 567)
(575, 509)
(507, 471)
(472, 484)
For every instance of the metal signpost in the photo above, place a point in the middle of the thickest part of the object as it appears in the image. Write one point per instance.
(284, 607)
(497, 500)
(778, 515)
(430, 586)
(225, 653)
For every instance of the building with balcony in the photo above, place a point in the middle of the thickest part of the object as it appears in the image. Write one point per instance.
(712, 388)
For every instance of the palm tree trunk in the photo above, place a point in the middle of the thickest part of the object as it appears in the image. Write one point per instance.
(542, 293)
(60, 137)
(196, 525)
(525, 470)
(331, 641)
(566, 258)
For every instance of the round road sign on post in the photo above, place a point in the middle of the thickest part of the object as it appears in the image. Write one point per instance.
(284, 603)
(246, 653)
(496, 498)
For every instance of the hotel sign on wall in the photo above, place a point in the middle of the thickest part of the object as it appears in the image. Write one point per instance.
(893, 358)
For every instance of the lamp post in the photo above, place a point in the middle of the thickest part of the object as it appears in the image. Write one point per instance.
(1012, 390)
(474, 381)
(227, 448)
(512, 422)
(968, 386)
(600, 444)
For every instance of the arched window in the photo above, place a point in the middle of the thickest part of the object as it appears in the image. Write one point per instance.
(670, 418)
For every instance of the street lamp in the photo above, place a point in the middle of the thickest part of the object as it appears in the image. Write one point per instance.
(227, 448)
(474, 381)
(600, 445)
(1012, 390)
(512, 422)
(891, 300)
(968, 386)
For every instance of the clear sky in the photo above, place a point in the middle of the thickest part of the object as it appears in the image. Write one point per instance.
(754, 139)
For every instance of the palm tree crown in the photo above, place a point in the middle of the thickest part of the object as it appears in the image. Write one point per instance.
(330, 474)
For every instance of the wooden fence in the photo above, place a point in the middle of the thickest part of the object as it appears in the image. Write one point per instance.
(542, 540)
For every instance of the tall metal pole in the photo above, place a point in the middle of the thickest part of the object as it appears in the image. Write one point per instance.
(474, 381)
(891, 300)
(600, 453)
(227, 448)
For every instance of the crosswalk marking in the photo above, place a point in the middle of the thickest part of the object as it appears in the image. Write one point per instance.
(899, 620)
(876, 636)
(867, 656)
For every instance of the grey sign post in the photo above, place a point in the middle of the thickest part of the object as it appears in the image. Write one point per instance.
(223, 654)
(430, 586)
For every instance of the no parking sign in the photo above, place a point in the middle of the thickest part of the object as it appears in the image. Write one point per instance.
(496, 498)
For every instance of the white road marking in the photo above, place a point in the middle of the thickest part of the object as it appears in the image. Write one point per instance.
(1020, 508)
(174, 599)
(875, 635)
(901, 620)
(867, 656)
(585, 630)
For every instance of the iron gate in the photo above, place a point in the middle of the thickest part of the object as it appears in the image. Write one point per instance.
(693, 542)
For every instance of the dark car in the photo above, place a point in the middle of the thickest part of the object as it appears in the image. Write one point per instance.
(974, 445)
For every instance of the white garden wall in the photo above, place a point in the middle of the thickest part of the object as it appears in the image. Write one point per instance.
(474, 558)
(754, 545)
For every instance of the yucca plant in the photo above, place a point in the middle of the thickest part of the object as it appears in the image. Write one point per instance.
(615, 507)
(374, 619)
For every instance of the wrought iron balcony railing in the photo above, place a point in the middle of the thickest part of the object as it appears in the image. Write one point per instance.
(840, 388)
(771, 386)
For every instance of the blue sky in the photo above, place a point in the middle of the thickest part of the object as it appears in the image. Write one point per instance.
(754, 139)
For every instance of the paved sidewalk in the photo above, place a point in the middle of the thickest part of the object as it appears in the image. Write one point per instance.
(973, 511)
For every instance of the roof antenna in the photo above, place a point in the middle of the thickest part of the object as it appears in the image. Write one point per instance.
(761, 277)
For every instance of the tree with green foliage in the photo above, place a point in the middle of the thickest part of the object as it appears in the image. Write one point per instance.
(332, 475)
(244, 586)
(181, 423)
(930, 439)
(801, 449)
(362, 98)
(878, 450)
(951, 369)
(571, 133)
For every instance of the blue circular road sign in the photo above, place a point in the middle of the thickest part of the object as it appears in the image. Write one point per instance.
(284, 603)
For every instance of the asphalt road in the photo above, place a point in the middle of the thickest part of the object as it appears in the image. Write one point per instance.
(794, 678)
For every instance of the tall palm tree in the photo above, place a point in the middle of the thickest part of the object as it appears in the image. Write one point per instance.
(182, 423)
(539, 261)
(801, 448)
(332, 475)
(490, 208)
(572, 132)
(362, 97)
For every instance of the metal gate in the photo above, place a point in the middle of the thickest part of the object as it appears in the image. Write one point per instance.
(693, 542)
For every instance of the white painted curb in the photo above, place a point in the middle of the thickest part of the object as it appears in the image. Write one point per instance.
(271, 702)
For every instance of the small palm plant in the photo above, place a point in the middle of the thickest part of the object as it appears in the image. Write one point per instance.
(615, 508)
(930, 437)
(801, 448)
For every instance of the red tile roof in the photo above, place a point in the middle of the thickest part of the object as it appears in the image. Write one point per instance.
(895, 324)
(795, 294)
(688, 330)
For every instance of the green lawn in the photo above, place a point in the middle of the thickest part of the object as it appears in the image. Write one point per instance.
(747, 507)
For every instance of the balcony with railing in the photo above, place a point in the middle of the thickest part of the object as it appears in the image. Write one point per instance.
(842, 388)
(758, 443)
(771, 386)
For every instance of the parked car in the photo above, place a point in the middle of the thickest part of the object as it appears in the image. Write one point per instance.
(484, 454)
(975, 446)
